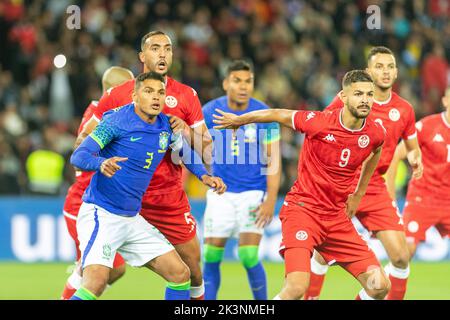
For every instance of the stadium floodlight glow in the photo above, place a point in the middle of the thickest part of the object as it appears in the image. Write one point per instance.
(60, 61)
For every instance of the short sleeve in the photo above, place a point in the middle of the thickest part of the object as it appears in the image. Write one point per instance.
(335, 104)
(272, 133)
(194, 116)
(104, 104)
(106, 131)
(410, 128)
(308, 122)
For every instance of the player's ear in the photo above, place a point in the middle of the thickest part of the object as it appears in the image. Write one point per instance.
(225, 84)
(134, 95)
(141, 56)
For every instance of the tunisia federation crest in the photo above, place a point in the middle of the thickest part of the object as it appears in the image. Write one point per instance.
(363, 141)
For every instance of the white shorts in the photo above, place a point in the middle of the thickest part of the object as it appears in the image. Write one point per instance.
(230, 214)
(102, 233)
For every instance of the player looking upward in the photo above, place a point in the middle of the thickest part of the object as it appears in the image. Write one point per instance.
(112, 77)
(428, 198)
(317, 210)
(378, 212)
(249, 202)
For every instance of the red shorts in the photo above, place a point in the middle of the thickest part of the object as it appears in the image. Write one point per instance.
(71, 223)
(419, 218)
(379, 212)
(171, 214)
(335, 238)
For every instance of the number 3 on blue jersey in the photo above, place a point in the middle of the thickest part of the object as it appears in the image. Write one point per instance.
(149, 160)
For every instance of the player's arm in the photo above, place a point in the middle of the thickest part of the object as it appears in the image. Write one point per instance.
(414, 156)
(231, 121)
(367, 171)
(399, 155)
(87, 129)
(273, 176)
(86, 157)
(194, 164)
(198, 138)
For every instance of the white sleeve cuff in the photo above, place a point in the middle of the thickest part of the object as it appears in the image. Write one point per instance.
(293, 122)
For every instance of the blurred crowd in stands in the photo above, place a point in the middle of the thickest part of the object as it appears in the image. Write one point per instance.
(300, 50)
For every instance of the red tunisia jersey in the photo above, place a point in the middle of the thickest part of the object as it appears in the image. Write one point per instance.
(433, 133)
(397, 116)
(330, 158)
(82, 178)
(181, 101)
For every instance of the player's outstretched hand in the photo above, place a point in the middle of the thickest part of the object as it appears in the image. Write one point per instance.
(264, 213)
(226, 120)
(178, 124)
(109, 167)
(352, 204)
(214, 182)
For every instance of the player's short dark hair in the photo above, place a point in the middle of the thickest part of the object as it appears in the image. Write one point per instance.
(146, 76)
(239, 65)
(355, 76)
(151, 34)
(377, 50)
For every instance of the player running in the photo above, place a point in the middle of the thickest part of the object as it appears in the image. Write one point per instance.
(165, 204)
(378, 212)
(317, 210)
(112, 77)
(126, 147)
(428, 198)
(249, 202)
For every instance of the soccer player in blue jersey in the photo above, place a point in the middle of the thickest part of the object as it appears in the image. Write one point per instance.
(248, 161)
(125, 149)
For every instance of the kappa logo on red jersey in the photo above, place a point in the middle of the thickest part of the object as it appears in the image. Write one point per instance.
(310, 115)
(438, 138)
(171, 101)
(363, 141)
(329, 137)
(301, 235)
(394, 114)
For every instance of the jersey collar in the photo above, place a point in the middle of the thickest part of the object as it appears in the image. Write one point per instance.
(384, 102)
(348, 129)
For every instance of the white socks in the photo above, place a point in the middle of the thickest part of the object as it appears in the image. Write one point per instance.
(364, 296)
(75, 280)
(197, 292)
(396, 272)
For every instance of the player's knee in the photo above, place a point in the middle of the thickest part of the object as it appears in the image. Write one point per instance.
(179, 274)
(400, 259)
(248, 255)
(380, 288)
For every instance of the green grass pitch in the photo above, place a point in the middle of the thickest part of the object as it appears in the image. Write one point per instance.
(46, 281)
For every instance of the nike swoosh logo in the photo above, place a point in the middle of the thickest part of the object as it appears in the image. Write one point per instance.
(135, 139)
(258, 288)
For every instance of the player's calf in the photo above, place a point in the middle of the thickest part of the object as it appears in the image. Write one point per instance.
(95, 279)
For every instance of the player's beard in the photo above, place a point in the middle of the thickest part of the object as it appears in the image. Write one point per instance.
(356, 114)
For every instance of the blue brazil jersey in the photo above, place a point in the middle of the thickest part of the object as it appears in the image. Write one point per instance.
(240, 158)
(123, 133)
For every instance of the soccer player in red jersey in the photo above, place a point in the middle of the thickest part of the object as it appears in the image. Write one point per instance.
(428, 198)
(114, 76)
(165, 204)
(378, 212)
(317, 210)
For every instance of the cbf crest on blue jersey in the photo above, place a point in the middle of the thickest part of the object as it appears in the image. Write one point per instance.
(163, 141)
